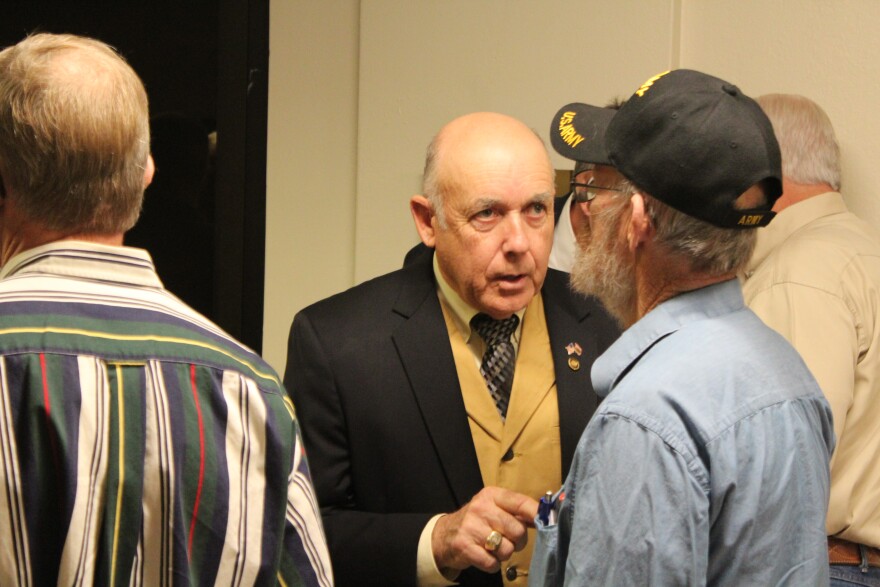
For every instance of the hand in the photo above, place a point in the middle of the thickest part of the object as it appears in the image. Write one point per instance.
(458, 540)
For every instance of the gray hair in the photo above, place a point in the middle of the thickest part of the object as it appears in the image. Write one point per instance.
(709, 249)
(74, 134)
(810, 152)
(431, 181)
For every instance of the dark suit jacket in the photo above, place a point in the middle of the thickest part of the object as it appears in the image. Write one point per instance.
(374, 383)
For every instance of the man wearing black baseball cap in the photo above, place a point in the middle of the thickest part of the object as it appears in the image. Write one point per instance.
(571, 210)
(707, 462)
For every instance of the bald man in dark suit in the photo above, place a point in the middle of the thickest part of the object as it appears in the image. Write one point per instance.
(423, 474)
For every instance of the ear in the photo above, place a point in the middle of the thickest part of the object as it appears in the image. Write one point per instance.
(423, 215)
(580, 212)
(149, 170)
(640, 228)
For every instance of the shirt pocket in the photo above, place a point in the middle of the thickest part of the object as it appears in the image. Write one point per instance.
(543, 568)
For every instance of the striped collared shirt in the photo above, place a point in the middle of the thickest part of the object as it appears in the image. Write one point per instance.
(140, 444)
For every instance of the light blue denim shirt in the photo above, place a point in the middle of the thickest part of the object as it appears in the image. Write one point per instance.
(707, 463)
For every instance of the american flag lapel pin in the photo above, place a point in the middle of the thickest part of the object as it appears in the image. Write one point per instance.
(574, 351)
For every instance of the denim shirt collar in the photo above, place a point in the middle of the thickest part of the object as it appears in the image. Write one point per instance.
(707, 302)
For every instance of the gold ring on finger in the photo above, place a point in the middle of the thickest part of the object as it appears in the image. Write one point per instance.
(493, 541)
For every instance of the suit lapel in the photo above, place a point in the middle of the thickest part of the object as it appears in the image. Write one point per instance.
(571, 319)
(533, 378)
(423, 346)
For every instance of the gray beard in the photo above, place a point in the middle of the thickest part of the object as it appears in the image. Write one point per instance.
(602, 269)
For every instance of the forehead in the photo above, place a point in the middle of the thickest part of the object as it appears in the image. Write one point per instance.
(504, 173)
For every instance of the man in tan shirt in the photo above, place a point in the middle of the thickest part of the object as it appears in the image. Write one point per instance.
(815, 278)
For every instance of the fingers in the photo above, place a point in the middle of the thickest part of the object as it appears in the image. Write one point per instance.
(527, 512)
(522, 507)
(503, 510)
(490, 560)
(486, 560)
(506, 549)
(511, 511)
(459, 539)
(454, 544)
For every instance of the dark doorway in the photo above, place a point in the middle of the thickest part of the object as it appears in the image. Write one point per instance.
(205, 67)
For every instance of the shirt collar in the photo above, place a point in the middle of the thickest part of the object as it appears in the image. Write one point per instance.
(707, 302)
(789, 221)
(86, 260)
(462, 312)
(564, 241)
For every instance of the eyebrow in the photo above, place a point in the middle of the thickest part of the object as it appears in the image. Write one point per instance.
(483, 203)
(541, 198)
(487, 202)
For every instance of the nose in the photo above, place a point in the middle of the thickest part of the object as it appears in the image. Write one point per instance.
(516, 239)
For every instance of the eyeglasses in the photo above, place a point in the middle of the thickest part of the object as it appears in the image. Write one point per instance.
(587, 192)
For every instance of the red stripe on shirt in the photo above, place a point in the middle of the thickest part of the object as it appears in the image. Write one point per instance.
(192, 525)
(47, 410)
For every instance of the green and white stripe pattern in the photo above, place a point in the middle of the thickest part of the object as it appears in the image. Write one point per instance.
(140, 445)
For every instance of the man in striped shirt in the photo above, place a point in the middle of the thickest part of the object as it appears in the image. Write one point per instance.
(139, 444)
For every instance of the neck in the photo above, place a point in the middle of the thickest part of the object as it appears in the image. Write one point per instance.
(794, 193)
(19, 233)
(660, 278)
(26, 240)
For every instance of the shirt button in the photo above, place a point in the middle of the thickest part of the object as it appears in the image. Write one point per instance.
(511, 573)
(508, 456)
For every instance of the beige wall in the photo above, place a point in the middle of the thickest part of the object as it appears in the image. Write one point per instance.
(311, 160)
(826, 50)
(424, 63)
(357, 89)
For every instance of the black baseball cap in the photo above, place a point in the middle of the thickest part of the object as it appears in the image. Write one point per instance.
(578, 132)
(696, 143)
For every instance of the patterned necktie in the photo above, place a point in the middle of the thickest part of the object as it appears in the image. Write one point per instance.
(499, 358)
